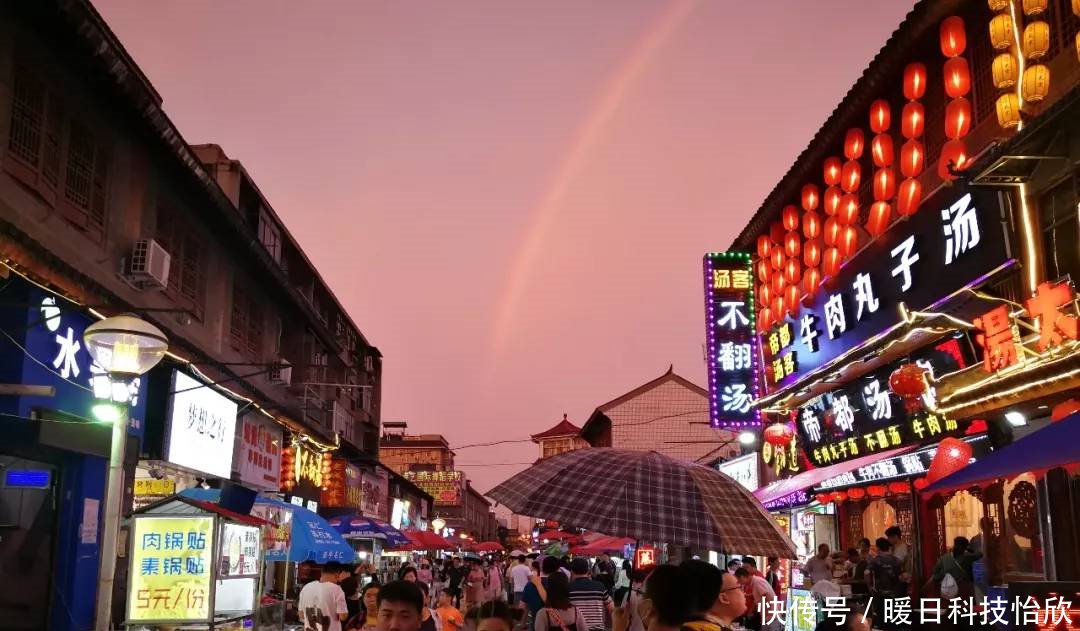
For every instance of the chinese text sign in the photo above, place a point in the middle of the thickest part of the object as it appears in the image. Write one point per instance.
(731, 343)
(171, 568)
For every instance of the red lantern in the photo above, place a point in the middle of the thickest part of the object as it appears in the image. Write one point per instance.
(958, 118)
(832, 171)
(764, 293)
(884, 184)
(920, 484)
(881, 150)
(832, 199)
(764, 245)
(856, 494)
(838, 496)
(957, 77)
(851, 176)
(811, 281)
(830, 262)
(880, 116)
(778, 435)
(765, 318)
(778, 284)
(876, 490)
(953, 154)
(853, 143)
(849, 243)
(777, 232)
(912, 156)
(909, 197)
(764, 270)
(791, 299)
(778, 307)
(822, 498)
(952, 455)
(908, 380)
(914, 81)
(913, 120)
(878, 221)
(898, 487)
(953, 37)
(1064, 410)
(832, 230)
(811, 224)
(811, 253)
(849, 209)
(790, 216)
(792, 245)
(792, 271)
(777, 257)
(810, 198)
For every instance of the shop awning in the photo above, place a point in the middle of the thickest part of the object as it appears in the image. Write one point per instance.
(1056, 445)
(814, 477)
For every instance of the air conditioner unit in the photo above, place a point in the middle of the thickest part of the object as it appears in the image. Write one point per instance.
(148, 265)
(280, 373)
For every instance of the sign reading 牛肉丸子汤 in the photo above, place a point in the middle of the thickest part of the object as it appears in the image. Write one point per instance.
(731, 343)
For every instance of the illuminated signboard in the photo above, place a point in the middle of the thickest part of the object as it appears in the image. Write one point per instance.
(951, 244)
(732, 345)
(446, 487)
(202, 427)
(798, 498)
(743, 470)
(171, 567)
(865, 417)
(910, 465)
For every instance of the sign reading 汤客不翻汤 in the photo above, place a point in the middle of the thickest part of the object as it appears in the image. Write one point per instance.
(956, 241)
(731, 342)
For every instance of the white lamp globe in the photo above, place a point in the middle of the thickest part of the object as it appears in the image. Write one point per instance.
(125, 346)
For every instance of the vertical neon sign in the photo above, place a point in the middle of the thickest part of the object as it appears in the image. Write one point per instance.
(732, 345)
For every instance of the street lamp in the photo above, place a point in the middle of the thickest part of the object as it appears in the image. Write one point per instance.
(438, 524)
(125, 347)
(747, 438)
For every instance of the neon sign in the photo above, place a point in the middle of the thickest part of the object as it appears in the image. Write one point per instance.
(732, 344)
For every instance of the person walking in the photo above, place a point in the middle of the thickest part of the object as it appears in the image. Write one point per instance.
(590, 597)
(953, 571)
(519, 577)
(883, 579)
(321, 603)
(772, 575)
(474, 585)
(764, 599)
(718, 598)
(456, 579)
(494, 583)
(535, 593)
(559, 612)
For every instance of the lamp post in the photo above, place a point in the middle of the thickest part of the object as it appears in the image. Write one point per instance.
(438, 524)
(125, 347)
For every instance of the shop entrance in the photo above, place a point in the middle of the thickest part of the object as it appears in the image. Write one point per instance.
(27, 528)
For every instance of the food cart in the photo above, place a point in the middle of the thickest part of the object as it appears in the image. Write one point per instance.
(194, 565)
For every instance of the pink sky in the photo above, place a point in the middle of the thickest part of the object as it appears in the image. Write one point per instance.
(511, 198)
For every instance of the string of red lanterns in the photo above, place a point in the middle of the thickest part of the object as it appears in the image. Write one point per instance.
(881, 151)
(912, 153)
(957, 77)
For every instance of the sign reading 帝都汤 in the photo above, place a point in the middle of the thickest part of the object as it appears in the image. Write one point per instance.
(446, 487)
(958, 240)
(731, 343)
(171, 568)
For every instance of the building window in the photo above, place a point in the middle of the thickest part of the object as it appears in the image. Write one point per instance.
(366, 399)
(246, 324)
(187, 261)
(1059, 210)
(270, 236)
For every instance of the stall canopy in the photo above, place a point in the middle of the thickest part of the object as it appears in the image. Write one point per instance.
(1056, 445)
(308, 538)
(426, 540)
(360, 527)
(814, 477)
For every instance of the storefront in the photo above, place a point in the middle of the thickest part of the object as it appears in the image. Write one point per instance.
(53, 458)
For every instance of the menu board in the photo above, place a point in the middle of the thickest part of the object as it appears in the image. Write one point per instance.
(239, 550)
(171, 567)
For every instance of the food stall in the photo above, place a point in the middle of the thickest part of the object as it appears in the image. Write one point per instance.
(194, 565)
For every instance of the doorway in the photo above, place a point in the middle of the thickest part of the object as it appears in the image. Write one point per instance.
(27, 530)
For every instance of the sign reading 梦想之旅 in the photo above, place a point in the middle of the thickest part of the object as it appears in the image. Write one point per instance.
(202, 427)
(956, 241)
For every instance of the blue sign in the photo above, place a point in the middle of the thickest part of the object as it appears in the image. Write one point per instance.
(27, 478)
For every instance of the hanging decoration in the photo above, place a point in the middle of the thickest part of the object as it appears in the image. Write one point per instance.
(832, 200)
(792, 245)
(909, 197)
(909, 383)
(1001, 31)
(876, 491)
(851, 176)
(832, 231)
(881, 150)
(1004, 71)
(811, 255)
(912, 153)
(830, 262)
(823, 498)
(958, 118)
(920, 484)
(884, 185)
(810, 198)
(764, 246)
(880, 116)
(856, 493)
(878, 221)
(898, 488)
(1036, 39)
(849, 209)
(832, 171)
(838, 496)
(811, 224)
(811, 281)
(1035, 84)
(957, 76)
(778, 435)
(790, 218)
(1034, 7)
(952, 455)
(849, 242)
(1007, 108)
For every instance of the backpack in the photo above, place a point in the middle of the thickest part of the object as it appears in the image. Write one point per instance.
(950, 588)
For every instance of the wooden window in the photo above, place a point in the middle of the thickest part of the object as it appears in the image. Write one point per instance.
(270, 236)
(1061, 229)
(86, 181)
(187, 265)
(245, 322)
(35, 144)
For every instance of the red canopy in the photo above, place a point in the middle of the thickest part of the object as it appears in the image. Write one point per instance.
(555, 535)
(425, 540)
(601, 545)
(488, 546)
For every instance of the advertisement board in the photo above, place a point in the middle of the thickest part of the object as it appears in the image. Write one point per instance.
(171, 568)
(258, 452)
(239, 550)
(743, 470)
(202, 427)
(731, 343)
(375, 491)
(446, 487)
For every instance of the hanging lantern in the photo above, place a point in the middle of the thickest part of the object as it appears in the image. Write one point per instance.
(849, 210)
(764, 270)
(849, 242)
(764, 246)
(957, 77)
(832, 171)
(778, 307)
(830, 261)
(1034, 7)
(811, 224)
(898, 488)
(881, 150)
(952, 455)
(838, 496)
(792, 271)
(1001, 31)
(853, 143)
(953, 37)
(913, 120)
(778, 435)
(777, 258)
(1004, 71)
(776, 232)
(811, 253)
(791, 299)
(822, 498)
(884, 184)
(954, 157)
(764, 319)
(1036, 40)
(1036, 83)
(810, 197)
(880, 116)
(792, 244)
(1076, 8)
(832, 199)
(764, 293)
(876, 491)
(852, 176)
(920, 484)
(778, 283)
(878, 221)
(908, 197)
(1064, 410)
(1007, 108)
(811, 281)
(998, 5)
(909, 383)
(832, 231)
(911, 158)
(856, 493)
(958, 118)
(790, 217)
(914, 81)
